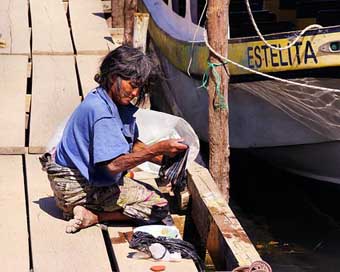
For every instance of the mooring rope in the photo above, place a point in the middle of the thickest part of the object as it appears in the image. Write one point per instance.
(314, 26)
(266, 75)
(247, 68)
(257, 266)
(193, 39)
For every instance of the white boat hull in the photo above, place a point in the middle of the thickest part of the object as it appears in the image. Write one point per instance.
(255, 124)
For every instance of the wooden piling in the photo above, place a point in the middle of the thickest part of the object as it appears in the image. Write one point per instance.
(117, 13)
(130, 7)
(217, 30)
(140, 29)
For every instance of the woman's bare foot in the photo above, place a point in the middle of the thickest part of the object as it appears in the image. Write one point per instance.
(83, 218)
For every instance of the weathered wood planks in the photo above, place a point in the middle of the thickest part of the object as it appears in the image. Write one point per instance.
(53, 249)
(226, 241)
(88, 66)
(89, 28)
(50, 31)
(14, 29)
(13, 81)
(54, 96)
(14, 247)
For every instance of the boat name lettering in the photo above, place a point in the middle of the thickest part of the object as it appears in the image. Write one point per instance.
(263, 56)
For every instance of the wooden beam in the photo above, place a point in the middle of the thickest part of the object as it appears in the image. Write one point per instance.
(140, 30)
(224, 237)
(13, 81)
(106, 6)
(50, 30)
(27, 111)
(14, 28)
(117, 35)
(54, 97)
(52, 249)
(217, 30)
(13, 228)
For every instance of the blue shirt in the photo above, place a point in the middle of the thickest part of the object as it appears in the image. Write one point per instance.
(97, 131)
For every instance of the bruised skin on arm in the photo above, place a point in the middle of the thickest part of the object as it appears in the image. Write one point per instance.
(142, 153)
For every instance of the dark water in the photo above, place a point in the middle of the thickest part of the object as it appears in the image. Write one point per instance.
(294, 222)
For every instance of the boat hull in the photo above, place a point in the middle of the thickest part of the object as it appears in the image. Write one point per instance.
(294, 136)
(318, 161)
(267, 131)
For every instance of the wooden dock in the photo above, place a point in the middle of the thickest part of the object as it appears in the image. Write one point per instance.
(47, 65)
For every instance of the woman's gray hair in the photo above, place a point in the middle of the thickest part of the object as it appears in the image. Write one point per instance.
(129, 64)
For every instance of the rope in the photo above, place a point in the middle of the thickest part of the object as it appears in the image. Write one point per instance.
(221, 104)
(257, 266)
(314, 26)
(266, 75)
(193, 39)
(252, 70)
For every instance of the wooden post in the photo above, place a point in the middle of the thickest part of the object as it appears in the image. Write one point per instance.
(117, 15)
(140, 29)
(130, 7)
(217, 26)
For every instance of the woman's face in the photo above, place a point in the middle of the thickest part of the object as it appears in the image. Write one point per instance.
(127, 92)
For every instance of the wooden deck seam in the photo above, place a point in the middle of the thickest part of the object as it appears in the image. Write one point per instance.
(27, 213)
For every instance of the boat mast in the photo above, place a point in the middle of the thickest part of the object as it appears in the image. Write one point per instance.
(217, 31)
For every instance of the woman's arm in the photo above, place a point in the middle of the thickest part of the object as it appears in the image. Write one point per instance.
(139, 145)
(147, 153)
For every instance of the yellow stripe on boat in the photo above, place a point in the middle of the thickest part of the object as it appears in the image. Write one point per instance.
(310, 52)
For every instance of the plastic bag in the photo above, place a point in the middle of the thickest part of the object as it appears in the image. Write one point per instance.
(155, 126)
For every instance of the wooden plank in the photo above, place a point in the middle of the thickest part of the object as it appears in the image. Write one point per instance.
(53, 249)
(124, 254)
(54, 97)
(50, 31)
(89, 28)
(27, 110)
(117, 35)
(13, 227)
(106, 6)
(88, 66)
(226, 241)
(14, 27)
(13, 81)
(28, 99)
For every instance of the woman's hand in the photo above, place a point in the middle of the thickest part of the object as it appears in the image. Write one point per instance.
(171, 147)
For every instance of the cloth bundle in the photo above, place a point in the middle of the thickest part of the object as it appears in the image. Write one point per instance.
(142, 241)
(173, 170)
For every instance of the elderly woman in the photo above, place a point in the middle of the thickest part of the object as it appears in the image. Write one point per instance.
(100, 143)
